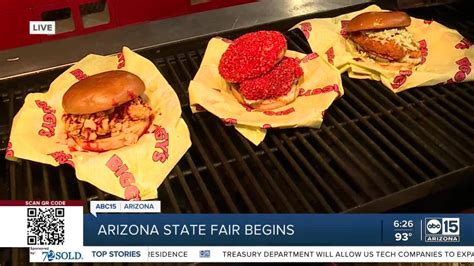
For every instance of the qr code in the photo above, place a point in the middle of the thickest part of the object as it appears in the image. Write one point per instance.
(45, 226)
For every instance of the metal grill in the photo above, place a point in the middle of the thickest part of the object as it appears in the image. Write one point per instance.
(374, 152)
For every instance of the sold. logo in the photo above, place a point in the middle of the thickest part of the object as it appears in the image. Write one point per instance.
(62, 256)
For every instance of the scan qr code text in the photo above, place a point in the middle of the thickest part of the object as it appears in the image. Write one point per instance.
(45, 226)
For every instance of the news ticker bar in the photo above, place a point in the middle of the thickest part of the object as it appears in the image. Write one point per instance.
(253, 254)
(278, 230)
(63, 223)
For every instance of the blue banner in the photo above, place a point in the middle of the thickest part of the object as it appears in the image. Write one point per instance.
(278, 230)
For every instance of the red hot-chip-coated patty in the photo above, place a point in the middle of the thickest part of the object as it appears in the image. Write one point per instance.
(276, 83)
(252, 55)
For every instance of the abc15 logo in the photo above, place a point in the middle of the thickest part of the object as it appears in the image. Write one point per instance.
(442, 226)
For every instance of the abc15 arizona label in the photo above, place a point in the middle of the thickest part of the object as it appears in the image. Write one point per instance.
(442, 230)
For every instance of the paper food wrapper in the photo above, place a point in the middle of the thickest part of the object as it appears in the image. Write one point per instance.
(132, 172)
(446, 55)
(319, 87)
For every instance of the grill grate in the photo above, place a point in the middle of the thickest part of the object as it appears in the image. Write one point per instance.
(375, 151)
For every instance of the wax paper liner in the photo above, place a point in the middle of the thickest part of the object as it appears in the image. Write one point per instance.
(446, 55)
(132, 172)
(319, 87)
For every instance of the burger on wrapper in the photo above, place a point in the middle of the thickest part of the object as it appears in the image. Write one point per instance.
(105, 111)
(258, 72)
(383, 37)
(272, 90)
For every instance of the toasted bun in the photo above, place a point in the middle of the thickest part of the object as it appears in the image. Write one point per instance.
(131, 136)
(267, 104)
(378, 20)
(102, 92)
(393, 65)
(405, 62)
(397, 66)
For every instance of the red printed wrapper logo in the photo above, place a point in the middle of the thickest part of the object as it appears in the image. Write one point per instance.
(326, 89)
(463, 44)
(62, 158)
(400, 79)
(9, 152)
(121, 60)
(78, 74)
(229, 121)
(464, 70)
(344, 32)
(162, 142)
(279, 113)
(330, 55)
(125, 178)
(49, 119)
(306, 29)
(406, 72)
(309, 57)
(423, 50)
(266, 126)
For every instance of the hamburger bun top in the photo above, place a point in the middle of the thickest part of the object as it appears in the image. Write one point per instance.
(101, 92)
(378, 20)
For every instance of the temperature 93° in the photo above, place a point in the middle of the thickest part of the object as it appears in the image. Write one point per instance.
(403, 236)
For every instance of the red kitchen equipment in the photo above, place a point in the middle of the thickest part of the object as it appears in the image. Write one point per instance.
(14, 27)
(79, 17)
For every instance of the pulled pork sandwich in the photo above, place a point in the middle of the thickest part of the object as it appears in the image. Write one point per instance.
(383, 37)
(105, 111)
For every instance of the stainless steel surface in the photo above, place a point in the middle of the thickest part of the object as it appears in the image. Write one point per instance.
(40, 57)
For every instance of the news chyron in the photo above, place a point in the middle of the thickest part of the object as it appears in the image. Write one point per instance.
(137, 231)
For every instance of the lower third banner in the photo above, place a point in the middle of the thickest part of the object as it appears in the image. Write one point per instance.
(278, 230)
